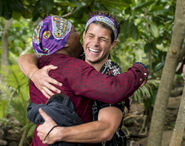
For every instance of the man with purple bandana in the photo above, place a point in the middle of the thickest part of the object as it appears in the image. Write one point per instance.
(97, 52)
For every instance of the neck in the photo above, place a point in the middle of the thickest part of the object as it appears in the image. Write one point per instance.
(63, 52)
(98, 65)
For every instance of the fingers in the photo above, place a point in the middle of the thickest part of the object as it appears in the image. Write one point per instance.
(45, 94)
(49, 81)
(44, 115)
(52, 87)
(45, 142)
(43, 129)
(48, 90)
(40, 135)
(53, 81)
(50, 67)
(45, 83)
(144, 82)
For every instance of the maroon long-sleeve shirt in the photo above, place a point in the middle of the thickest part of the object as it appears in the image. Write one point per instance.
(82, 83)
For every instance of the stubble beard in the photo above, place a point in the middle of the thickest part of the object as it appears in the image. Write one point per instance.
(101, 60)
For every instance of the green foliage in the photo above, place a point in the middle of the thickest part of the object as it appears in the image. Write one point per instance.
(5, 100)
(147, 93)
(16, 90)
(22, 31)
(14, 96)
(8, 7)
(4, 107)
(146, 28)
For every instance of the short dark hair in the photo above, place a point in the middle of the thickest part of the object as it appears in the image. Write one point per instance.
(116, 22)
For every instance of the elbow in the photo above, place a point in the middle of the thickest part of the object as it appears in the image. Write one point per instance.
(108, 133)
(107, 136)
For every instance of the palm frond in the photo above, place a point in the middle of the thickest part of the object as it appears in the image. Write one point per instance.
(147, 91)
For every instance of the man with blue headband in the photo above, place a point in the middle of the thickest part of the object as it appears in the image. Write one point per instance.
(99, 38)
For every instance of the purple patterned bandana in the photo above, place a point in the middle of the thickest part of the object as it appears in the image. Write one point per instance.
(50, 35)
(105, 19)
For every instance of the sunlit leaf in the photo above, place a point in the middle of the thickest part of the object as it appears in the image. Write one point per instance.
(154, 30)
(142, 5)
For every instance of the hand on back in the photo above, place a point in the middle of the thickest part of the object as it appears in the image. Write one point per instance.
(44, 82)
(46, 132)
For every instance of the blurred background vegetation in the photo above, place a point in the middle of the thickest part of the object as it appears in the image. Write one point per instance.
(146, 29)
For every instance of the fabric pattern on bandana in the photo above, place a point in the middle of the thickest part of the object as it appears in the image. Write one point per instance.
(50, 35)
(36, 32)
(61, 27)
(105, 19)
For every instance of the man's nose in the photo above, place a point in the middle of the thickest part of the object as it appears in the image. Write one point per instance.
(96, 42)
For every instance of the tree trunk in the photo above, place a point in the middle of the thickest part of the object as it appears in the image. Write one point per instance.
(4, 55)
(180, 124)
(158, 117)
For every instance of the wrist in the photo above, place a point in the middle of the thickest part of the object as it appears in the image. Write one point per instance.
(142, 68)
(30, 75)
(59, 133)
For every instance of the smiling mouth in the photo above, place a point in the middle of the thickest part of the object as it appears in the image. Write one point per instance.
(93, 50)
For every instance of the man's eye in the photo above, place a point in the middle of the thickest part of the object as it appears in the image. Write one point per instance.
(90, 36)
(103, 40)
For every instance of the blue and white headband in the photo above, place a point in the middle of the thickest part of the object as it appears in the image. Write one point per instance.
(105, 19)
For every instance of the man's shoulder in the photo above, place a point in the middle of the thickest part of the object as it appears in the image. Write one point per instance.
(69, 63)
(66, 59)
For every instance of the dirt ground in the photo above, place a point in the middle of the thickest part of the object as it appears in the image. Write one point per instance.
(171, 115)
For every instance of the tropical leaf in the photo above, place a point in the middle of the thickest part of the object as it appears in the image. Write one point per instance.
(4, 108)
(146, 91)
(15, 91)
(154, 30)
(142, 5)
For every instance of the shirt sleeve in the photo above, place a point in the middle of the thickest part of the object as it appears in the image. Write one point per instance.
(119, 105)
(85, 81)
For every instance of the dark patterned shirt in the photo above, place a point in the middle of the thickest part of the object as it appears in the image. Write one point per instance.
(112, 69)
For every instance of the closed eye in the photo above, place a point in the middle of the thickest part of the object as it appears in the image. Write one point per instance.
(90, 35)
(102, 39)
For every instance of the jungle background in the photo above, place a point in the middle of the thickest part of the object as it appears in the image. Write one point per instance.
(146, 34)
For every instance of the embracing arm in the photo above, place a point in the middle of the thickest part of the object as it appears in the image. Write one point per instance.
(28, 64)
(96, 131)
(85, 81)
(92, 132)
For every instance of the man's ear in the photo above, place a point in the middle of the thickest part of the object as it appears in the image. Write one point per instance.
(113, 44)
(84, 35)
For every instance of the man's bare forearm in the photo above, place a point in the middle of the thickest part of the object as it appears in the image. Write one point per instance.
(28, 64)
(93, 132)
